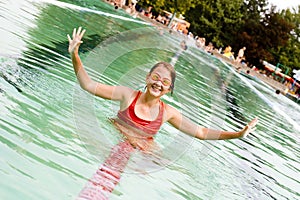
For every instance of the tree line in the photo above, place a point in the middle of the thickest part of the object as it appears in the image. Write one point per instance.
(268, 33)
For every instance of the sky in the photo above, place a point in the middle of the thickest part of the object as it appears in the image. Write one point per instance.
(283, 4)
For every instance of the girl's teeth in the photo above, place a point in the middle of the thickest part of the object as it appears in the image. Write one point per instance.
(158, 88)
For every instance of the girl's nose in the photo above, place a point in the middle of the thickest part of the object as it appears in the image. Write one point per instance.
(159, 83)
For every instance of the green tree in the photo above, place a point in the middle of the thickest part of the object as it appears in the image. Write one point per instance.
(264, 31)
(179, 6)
(267, 34)
(251, 31)
(289, 54)
(217, 20)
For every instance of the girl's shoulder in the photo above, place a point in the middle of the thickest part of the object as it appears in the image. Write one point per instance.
(127, 91)
(170, 111)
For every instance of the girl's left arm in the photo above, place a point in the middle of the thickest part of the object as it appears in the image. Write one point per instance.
(175, 118)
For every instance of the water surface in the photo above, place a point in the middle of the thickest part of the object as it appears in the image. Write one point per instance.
(54, 135)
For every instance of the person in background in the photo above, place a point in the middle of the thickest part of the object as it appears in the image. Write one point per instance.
(240, 55)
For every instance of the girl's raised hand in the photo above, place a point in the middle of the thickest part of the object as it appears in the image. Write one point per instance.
(75, 41)
(249, 128)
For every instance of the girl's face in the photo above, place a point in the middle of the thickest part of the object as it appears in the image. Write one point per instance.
(159, 81)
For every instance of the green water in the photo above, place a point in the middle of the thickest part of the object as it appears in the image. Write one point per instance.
(53, 136)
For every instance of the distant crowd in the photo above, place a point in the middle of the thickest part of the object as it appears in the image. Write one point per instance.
(181, 26)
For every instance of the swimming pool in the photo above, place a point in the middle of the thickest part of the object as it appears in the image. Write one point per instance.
(54, 136)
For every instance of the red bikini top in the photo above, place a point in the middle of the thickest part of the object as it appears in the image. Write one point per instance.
(129, 117)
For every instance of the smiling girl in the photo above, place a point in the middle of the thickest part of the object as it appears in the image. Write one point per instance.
(139, 118)
(141, 114)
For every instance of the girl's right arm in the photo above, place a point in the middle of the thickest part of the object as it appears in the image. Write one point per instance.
(187, 126)
(93, 87)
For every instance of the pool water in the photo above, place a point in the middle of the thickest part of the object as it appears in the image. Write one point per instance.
(54, 136)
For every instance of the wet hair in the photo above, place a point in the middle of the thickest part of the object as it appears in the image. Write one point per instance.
(170, 68)
(277, 91)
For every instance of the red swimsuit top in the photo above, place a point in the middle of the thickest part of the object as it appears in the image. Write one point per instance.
(129, 117)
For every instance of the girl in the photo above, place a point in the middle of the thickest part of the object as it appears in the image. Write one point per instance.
(144, 112)
(140, 117)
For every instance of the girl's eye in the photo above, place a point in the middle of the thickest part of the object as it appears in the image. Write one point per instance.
(166, 82)
(155, 77)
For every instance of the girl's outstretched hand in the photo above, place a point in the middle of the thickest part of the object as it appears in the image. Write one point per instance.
(249, 128)
(75, 41)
